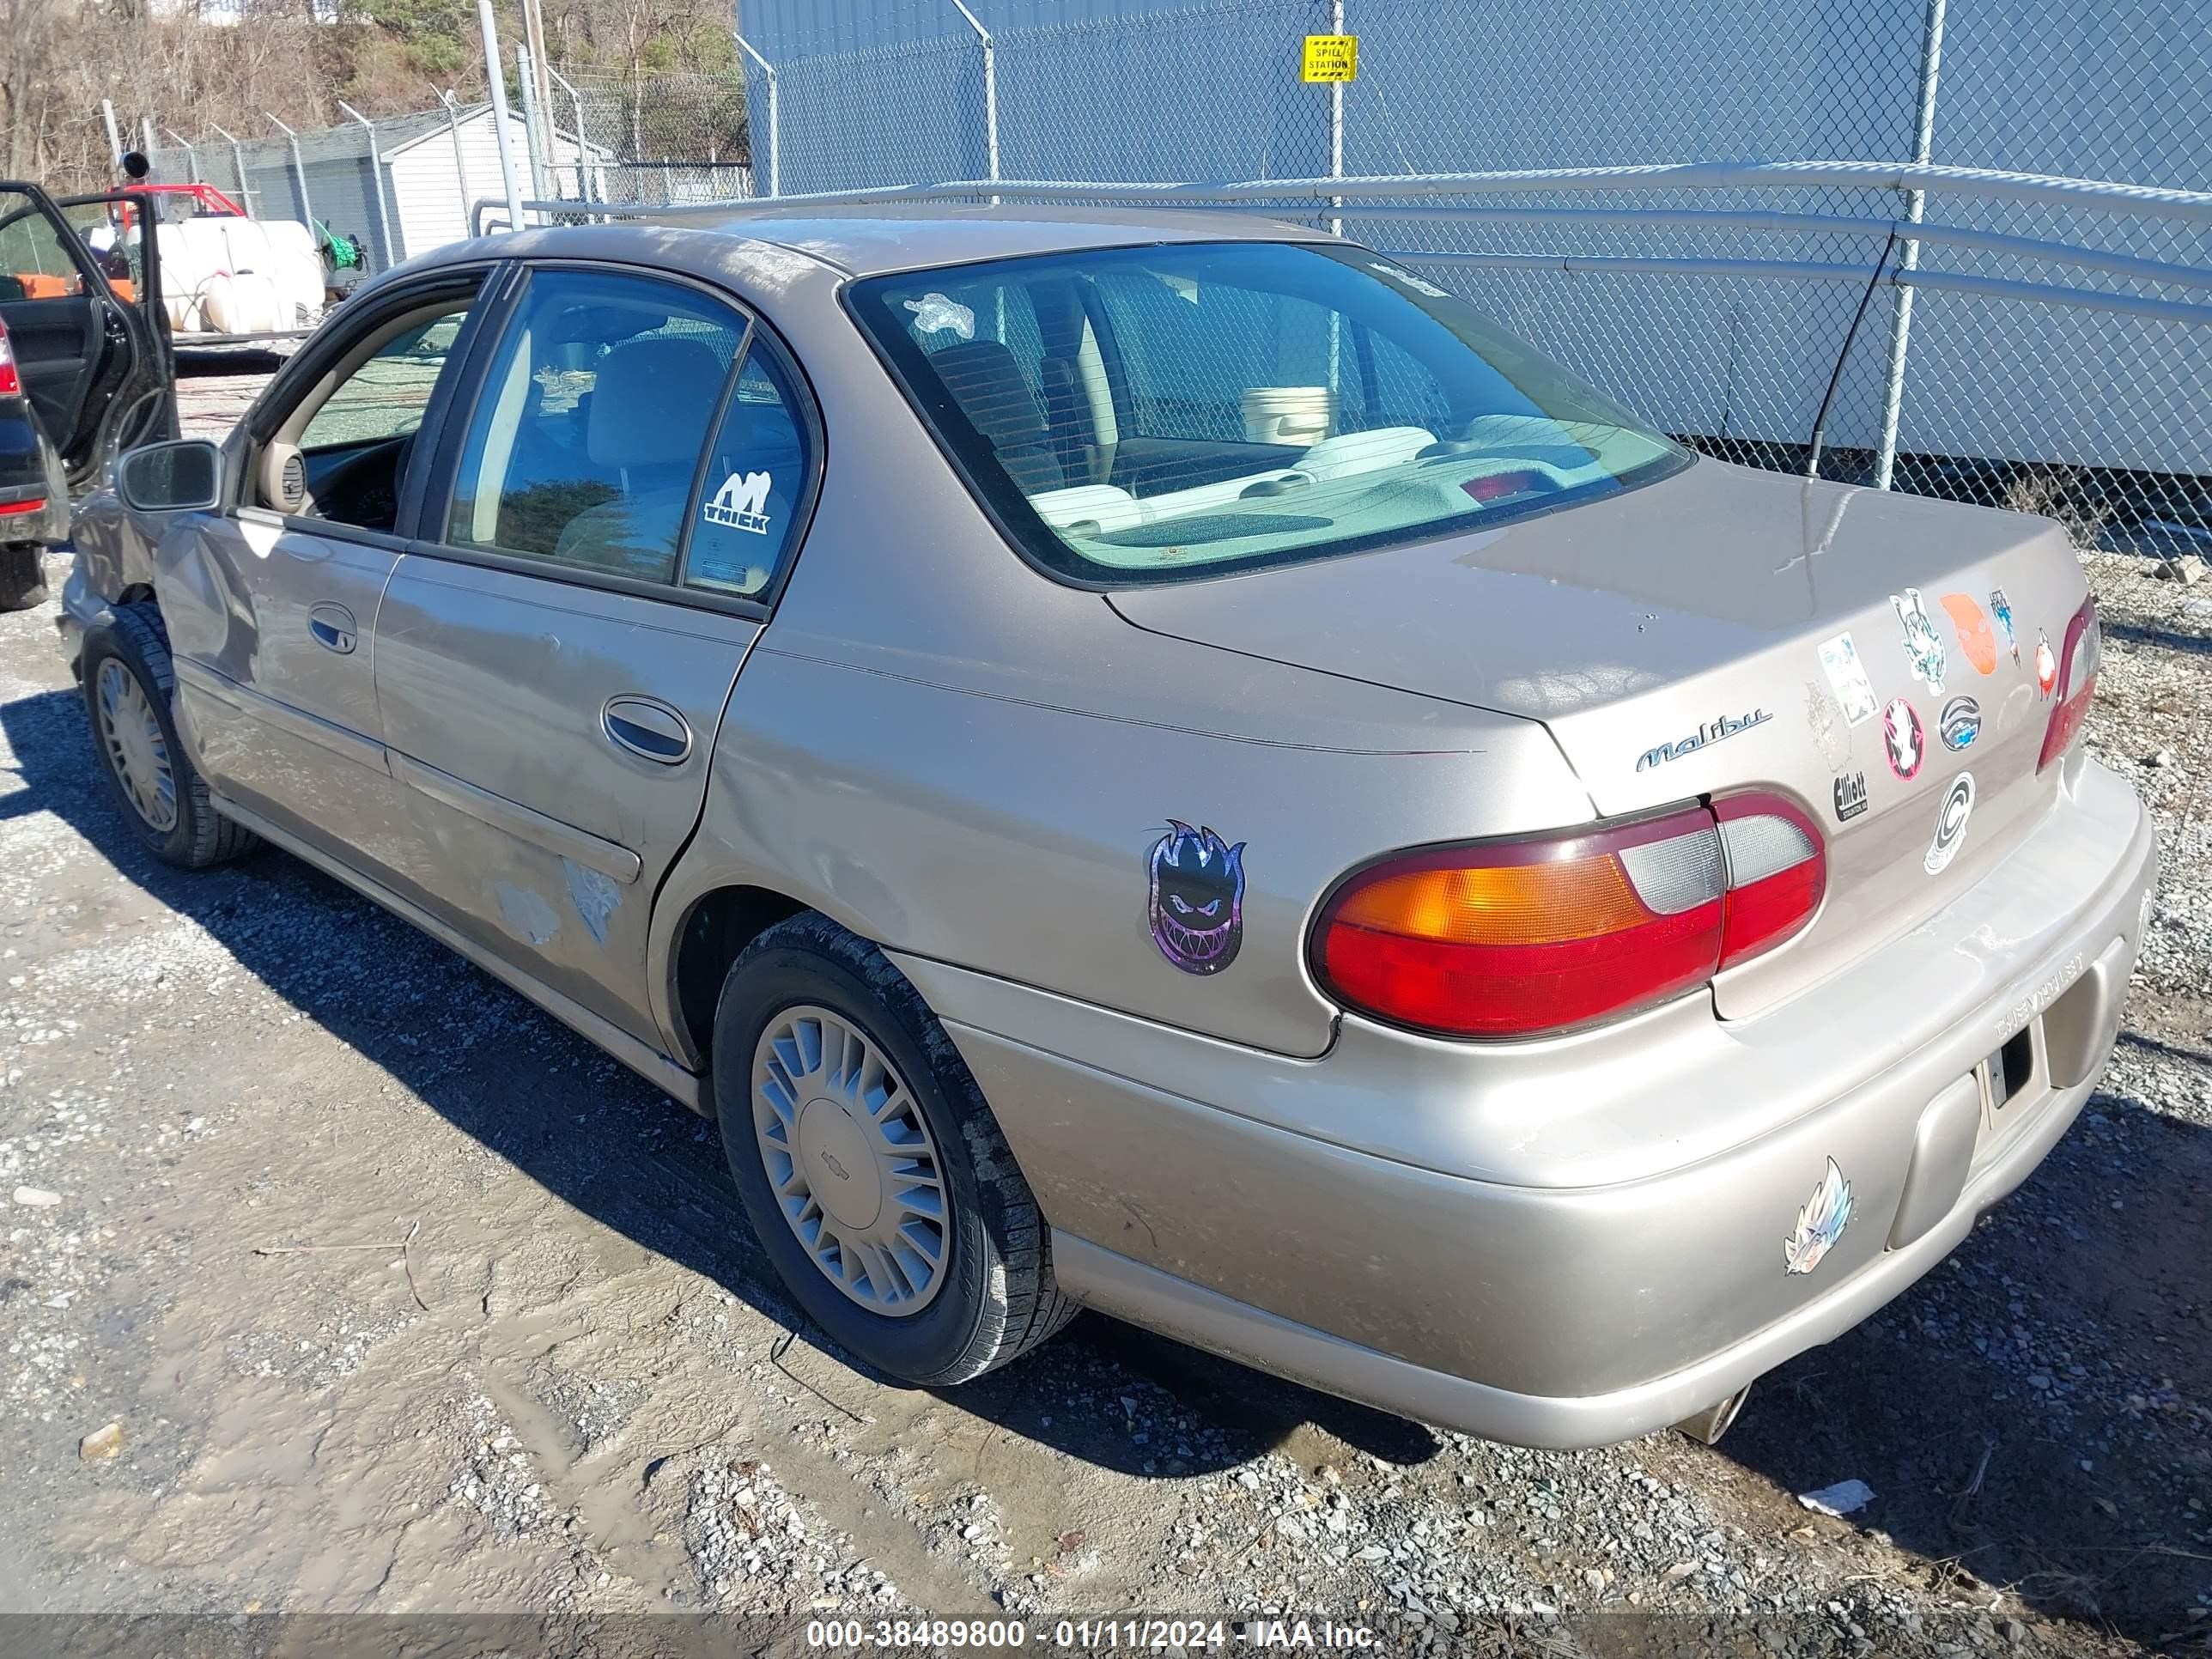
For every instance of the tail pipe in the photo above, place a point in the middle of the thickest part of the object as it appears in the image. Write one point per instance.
(1714, 1421)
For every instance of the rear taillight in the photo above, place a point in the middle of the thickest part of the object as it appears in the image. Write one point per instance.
(1528, 938)
(11, 383)
(2079, 660)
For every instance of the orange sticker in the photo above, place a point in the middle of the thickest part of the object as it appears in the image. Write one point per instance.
(1975, 637)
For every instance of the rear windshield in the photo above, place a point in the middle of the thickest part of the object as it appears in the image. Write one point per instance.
(1143, 414)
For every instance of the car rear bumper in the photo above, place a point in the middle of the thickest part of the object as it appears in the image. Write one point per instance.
(1562, 1287)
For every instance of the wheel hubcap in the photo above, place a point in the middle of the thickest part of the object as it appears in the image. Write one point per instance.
(132, 733)
(850, 1158)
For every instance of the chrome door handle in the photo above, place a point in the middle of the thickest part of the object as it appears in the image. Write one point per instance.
(333, 627)
(646, 728)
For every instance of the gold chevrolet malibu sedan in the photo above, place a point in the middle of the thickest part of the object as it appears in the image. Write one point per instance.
(1161, 763)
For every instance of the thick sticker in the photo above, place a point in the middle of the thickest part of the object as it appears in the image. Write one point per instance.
(1923, 647)
(933, 313)
(1950, 824)
(2001, 608)
(1976, 638)
(1197, 898)
(1839, 657)
(2046, 665)
(1960, 723)
(1850, 796)
(741, 503)
(1902, 739)
(1821, 1223)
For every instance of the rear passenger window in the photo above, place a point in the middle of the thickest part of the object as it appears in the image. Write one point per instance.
(586, 437)
(756, 482)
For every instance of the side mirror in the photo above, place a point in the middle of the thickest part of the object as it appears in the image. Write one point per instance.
(172, 477)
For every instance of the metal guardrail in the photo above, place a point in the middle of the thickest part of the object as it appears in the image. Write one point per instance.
(1376, 199)
(1994, 367)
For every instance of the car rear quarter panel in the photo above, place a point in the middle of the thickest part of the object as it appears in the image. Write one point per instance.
(958, 757)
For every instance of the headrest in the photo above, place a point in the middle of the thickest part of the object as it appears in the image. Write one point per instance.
(986, 382)
(652, 402)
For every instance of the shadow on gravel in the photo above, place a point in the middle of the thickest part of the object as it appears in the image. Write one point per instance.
(2165, 639)
(618, 1150)
(2035, 1408)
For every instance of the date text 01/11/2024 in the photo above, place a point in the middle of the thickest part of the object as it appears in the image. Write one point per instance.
(1091, 1635)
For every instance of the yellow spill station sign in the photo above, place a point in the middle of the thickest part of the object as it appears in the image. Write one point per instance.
(1331, 58)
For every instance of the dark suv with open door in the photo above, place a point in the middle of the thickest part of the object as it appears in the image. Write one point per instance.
(84, 368)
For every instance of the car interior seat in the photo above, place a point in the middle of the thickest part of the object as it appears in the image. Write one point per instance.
(986, 380)
(649, 414)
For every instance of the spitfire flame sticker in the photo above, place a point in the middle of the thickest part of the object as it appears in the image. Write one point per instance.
(1950, 824)
(1924, 647)
(1821, 1223)
(1903, 740)
(1197, 901)
(2046, 665)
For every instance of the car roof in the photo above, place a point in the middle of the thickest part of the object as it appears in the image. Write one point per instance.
(869, 240)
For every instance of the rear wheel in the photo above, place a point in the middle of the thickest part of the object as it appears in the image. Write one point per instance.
(872, 1171)
(23, 575)
(128, 686)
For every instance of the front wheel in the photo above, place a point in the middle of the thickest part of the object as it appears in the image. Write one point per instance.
(128, 685)
(23, 575)
(872, 1171)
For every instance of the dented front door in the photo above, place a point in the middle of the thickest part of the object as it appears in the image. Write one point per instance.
(554, 738)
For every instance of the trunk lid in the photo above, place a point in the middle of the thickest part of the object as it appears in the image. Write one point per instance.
(1683, 639)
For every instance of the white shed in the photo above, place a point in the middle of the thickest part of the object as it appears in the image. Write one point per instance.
(440, 166)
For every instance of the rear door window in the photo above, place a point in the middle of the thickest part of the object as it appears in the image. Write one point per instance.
(586, 445)
(756, 485)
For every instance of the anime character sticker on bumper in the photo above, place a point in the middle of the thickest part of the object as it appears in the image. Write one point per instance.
(1924, 646)
(2046, 665)
(1821, 1223)
(1197, 898)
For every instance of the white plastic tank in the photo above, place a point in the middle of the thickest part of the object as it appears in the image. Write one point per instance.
(243, 302)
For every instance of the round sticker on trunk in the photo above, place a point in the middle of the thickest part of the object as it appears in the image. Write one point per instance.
(1902, 739)
(1960, 723)
(1950, 824)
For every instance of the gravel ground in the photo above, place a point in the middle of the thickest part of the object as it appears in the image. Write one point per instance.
(403, 1299)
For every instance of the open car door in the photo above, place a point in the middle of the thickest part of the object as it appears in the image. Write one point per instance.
(81, 294)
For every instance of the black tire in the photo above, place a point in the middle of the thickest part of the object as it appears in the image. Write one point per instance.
(998, 1298)
(135, 640)
(23, 575)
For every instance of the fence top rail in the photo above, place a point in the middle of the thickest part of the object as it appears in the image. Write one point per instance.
(2102, 196)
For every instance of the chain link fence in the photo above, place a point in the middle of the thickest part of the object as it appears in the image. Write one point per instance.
(1722, 314)
(2063, 361)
